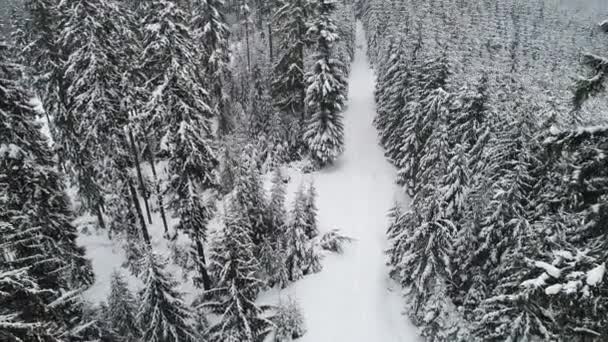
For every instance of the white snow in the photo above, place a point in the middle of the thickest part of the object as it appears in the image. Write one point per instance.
(550, 269)
(353, 299)
(595, 276)
(553, 289)
(13, 151)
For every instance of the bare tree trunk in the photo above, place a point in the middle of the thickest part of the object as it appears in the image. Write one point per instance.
(140, 177)
(203, 265)
(100, 220)
(247, 42)
(270, 43)
(159, 194)
(140, 215)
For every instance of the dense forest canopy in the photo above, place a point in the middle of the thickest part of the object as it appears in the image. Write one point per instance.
(149, 150)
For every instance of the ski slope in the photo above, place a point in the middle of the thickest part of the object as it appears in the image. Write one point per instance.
(353, 299)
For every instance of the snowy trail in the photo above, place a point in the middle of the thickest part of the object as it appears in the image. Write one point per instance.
(353, 299)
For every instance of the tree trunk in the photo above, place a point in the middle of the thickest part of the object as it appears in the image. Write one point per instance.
(100, 220)
(140, 214)
(247, 43)
(270, 43)
(203, 265)
(159, 194)
(140, 177)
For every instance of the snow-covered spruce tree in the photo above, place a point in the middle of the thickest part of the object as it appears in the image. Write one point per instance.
(434, 158)
(233, 297)
(272, 253)
(422, 259)
(122, 310)
(181, 103)
(288, 84)
(162, 315)
(430, 143)
(251, 198)
(326, 89)
(35, 221)
(212, 34)
(13, 326)
(95, 88)
(428, 101)
(470, 119)
(516, 310)
(345, 49)
(392, 80)
(575, 212)
(289, 321)
(301, 258)
(455, 182)
(278, 192)
(260, 105)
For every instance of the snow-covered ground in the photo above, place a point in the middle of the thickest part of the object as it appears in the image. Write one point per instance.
(353, 299)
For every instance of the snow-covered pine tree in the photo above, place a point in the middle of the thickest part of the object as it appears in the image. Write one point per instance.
(179, 100)
(95, 112)
(455, 182)
(15, 325)
(251, 198)
(517, 309)
(212, 33)
(289, 321)
(288, 84)
(122, 310)
(233, 297)
(301, 258)
(422, 259)
(434, 157)
(260, 105)
(162, 315)
(326, 89)
(278, 192)
(35, 223)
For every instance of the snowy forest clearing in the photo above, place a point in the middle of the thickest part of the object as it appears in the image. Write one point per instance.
(353, 299)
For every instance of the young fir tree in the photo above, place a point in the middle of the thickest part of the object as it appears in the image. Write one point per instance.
(36, 217)
(326, 90)
(272, 253)
(122, 310)
(162, 315)
(180, 102)
(233, 297)
(251, 198)
(301, 258)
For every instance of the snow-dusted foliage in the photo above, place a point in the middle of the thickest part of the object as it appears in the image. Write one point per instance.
(502, 241)
(41, 266)
(288, 321)
(326, 89)
(237, 285)
(122, 309)
(162, 315)
(138, 98)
